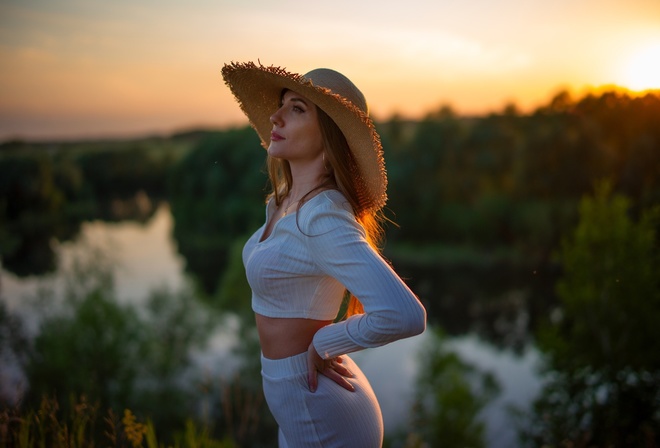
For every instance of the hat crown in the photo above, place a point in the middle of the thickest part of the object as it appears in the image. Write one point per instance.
(338, 84)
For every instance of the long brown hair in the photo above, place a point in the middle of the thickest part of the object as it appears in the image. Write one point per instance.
(341, 173)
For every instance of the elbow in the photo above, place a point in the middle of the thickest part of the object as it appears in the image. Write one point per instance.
(417, 322)
(401, 326)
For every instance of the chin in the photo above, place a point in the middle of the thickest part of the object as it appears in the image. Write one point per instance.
(271, 151)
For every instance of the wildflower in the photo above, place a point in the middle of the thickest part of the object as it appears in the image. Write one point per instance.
(134, 430)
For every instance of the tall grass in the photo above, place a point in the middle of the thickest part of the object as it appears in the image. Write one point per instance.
(85, 426)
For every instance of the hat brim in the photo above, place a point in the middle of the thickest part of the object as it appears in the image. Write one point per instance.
(258, 90)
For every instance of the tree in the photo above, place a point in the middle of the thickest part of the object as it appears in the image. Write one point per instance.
(216, 196)
(604, 352)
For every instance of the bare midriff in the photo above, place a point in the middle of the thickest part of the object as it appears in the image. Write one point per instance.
(285, 337)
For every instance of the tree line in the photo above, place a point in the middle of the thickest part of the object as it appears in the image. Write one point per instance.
(504, 183)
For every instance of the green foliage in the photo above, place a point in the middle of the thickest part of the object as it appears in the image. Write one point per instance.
(610, 290)
(122, 172)
(462, 180)
(234, 293)
(216, 196)
(117, 356)
(193, 437)
(477, 181)
(93, 353)
(603, 349)
(450, 395)
(175, 323)
(14, 343)
(47, 190)
(30, 207)
(96, 347)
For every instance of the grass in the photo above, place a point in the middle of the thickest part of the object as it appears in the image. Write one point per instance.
(84, 426)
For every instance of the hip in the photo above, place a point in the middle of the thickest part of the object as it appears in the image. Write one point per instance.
(329, 417)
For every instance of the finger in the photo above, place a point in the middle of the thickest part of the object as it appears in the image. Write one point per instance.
(337, 378)
(342, 370)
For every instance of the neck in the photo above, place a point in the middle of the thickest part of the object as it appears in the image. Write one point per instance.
(305, 178)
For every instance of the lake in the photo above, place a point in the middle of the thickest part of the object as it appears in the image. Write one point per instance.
(146, 258)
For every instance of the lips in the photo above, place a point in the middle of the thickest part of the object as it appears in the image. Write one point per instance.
(274, 136)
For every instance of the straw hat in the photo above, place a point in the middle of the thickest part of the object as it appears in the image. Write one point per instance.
(258, 90)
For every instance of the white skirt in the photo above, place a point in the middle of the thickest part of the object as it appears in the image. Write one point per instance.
(330, 417)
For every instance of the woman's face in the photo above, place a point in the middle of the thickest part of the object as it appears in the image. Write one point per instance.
(296, 134)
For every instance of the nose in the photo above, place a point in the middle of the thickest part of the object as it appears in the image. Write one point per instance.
(276, 118)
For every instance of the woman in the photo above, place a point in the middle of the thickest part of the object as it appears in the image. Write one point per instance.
(319, 241)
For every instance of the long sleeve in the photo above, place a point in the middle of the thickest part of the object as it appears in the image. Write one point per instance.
(392, 311)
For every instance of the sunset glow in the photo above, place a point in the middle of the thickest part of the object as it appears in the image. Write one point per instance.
(83, 68)
(643, 71)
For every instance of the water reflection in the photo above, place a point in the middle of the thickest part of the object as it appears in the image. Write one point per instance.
(500, 300)
(517, 375)
(143, 253)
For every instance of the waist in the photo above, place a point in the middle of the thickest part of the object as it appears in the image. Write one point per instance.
(285, 337)
(284, 367)
(287, 367)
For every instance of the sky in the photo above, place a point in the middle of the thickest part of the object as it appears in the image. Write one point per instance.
(96, 68)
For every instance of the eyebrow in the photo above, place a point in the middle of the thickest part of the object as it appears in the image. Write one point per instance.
(293, 98)
(298, 100)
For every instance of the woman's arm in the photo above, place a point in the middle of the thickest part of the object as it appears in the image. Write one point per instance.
(392, 311)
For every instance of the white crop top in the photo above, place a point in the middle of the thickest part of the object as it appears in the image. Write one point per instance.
(307, 262)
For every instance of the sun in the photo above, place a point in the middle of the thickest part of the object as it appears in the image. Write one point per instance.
(643, 69)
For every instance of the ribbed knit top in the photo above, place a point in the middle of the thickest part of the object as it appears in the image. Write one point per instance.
(308, 261)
